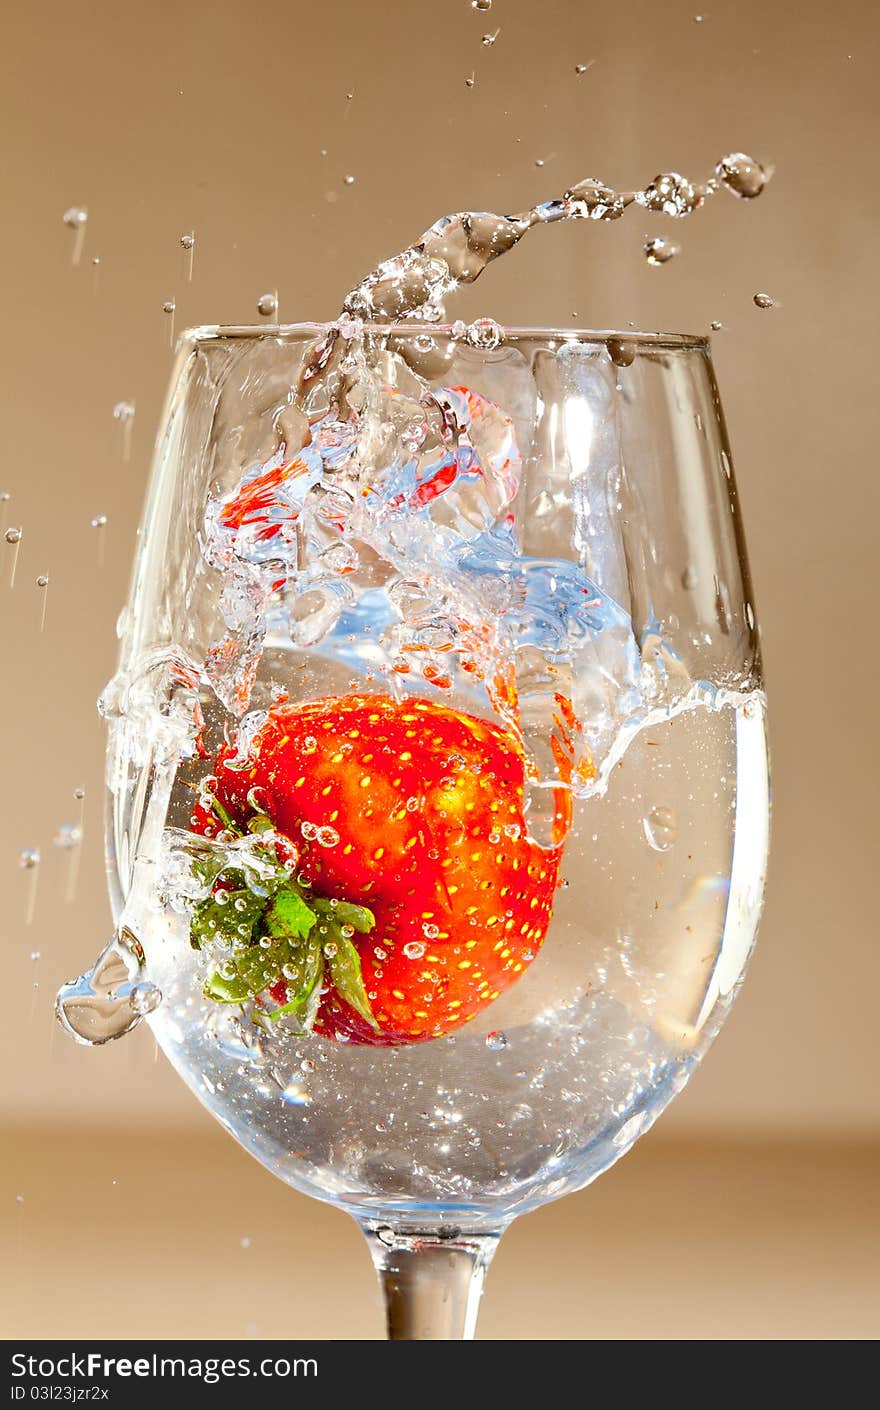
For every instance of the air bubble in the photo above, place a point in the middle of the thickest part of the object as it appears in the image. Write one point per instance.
(414, 949)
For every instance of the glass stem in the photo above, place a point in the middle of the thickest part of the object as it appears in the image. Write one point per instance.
(431, 1281)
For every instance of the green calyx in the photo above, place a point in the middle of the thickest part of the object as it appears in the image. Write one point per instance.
(283, 936)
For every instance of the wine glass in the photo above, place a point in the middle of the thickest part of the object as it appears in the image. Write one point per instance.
(438, 792)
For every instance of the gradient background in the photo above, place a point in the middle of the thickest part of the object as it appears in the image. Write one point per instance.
(750, 1212)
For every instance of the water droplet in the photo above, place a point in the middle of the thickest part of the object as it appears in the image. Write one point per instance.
(765, 301)
(99, 521)
(414, 949)
(35, 955)
(469, 82)
(539, 161)
(716, 326)
(123, 411)
(622, 354)
(97, 1008)
(584, 68)
(484, 334)
(245, 1242)
(481, 5)
(75, 218)
(79, 794)
(661, 829)
(672, 194)
(742, 175)
(489, 39)
(496, 1041)
(327, 837)
(145, 998)
(169, 306)
(19, 1199)
(187, 241)
(28, 858)
(307, 1065)
(67, 836)
(349, 180)
(13, 535)
(660, 250)
(43, 580)
(267, 305)
(430, 931)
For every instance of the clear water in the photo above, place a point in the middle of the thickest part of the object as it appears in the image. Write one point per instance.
(377, 550)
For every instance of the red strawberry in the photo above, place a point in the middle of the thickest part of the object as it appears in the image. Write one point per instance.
(413, 813)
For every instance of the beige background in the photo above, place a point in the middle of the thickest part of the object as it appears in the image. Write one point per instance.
(162, 118)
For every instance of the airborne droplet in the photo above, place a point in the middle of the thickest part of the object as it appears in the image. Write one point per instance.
(742, 175)
(267, 305)
(660, 250)
(75, 218)
(765, 301)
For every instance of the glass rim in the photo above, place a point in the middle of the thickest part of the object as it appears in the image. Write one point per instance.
(234, 332)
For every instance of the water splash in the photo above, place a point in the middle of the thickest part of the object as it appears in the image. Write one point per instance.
(111, 998)
(456, 249)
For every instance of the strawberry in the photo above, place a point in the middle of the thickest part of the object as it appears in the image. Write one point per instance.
(415, 880)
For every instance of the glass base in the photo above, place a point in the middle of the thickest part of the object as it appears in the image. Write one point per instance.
(431, 1281)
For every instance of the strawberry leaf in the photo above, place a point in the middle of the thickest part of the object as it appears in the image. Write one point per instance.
(345, 971)
(289, 916)
(344, 913)
(311, 966)
(231, 919)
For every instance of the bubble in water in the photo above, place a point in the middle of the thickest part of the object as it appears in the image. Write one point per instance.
(485, 334)
(430, 931)
(267, 305)
(67, 836)
(28, 858)
(145, 997)
(496, 1041)
(661, 829)
(327, 837)
(765, 301)
(742, 175)
(414, 949)
(13, 535)
(660, 251)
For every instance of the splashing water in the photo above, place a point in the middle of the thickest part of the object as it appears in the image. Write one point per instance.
(458, 248)
(420, 478)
